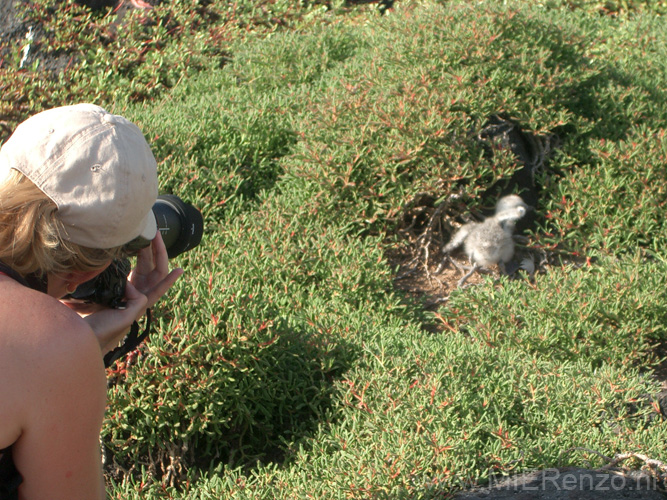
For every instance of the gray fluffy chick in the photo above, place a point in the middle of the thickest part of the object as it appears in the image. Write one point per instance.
(490, 242)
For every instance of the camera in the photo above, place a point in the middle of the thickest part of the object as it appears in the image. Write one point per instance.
(181, 226)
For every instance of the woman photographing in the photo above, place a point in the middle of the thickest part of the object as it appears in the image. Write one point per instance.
(77, 185)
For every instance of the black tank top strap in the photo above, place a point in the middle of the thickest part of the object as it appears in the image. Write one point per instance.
(5, 269)
(10, 478)
(31, 281)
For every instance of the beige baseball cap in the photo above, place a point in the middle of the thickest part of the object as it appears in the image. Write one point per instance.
(96, 167)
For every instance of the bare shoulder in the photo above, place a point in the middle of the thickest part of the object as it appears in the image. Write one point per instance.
(40, 326)
(43, 345)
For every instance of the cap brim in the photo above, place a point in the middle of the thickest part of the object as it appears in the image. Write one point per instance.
(149, 227)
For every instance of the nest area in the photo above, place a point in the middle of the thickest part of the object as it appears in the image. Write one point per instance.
(423, 270)
(427, 222)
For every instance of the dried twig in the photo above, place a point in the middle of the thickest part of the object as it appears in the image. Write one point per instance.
(654, 465)
(422, 243)
(657, 468)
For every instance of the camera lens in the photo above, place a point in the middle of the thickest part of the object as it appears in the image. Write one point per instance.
(180, 224)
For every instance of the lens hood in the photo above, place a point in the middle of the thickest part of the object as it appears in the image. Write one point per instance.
(180, 224)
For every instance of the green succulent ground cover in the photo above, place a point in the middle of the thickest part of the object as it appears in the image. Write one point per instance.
(285, 364)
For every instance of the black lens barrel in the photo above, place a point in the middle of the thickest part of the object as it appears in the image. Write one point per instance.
(180, 224)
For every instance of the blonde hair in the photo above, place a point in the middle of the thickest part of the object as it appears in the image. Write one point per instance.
(32, 236)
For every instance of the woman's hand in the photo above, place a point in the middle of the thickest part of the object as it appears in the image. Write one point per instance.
(147, 282)
(111, 325)
(151, 276)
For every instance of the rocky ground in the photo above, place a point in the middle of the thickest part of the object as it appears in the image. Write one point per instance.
(10, 26)
(14, 32)
(6, 16)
